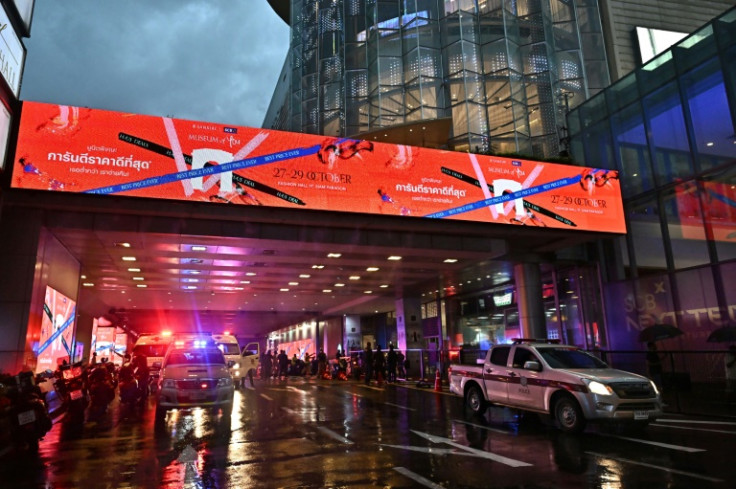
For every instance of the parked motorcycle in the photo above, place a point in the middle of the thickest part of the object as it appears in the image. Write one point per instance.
(70, 385)
(30, 419)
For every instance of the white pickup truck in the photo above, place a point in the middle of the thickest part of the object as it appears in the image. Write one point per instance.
(560, 380)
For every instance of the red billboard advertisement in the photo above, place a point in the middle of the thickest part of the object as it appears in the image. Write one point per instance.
(57, 330)
(718, 203)
(72, 149)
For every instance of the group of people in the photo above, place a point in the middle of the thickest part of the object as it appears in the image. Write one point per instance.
(373, 364)
(278, 365)
(386, 367)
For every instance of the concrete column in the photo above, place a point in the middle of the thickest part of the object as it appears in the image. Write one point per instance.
(529, 299)
(409, 334)
(19, 238)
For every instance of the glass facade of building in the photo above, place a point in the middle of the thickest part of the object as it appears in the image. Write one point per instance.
(668, 127)
(504, 71)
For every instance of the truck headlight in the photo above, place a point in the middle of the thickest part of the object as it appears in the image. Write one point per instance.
(224, 382)
(599, 388)
(654, 387)
(168, 384)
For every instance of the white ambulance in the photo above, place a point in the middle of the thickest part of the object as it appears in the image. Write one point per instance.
(239, 361)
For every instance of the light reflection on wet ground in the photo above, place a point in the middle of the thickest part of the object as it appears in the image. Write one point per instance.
(316, 434)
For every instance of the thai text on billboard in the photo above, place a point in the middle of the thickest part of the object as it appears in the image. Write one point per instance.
(73, 149)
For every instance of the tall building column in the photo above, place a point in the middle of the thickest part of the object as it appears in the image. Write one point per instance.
(528, 280)
(19, 237)
(409, 334)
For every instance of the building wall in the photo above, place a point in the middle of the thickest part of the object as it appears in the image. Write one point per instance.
(505, 72)
(668, 128)
(621, 17)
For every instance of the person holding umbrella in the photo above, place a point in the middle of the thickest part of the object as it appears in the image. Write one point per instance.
(730, 364)
(654, 365)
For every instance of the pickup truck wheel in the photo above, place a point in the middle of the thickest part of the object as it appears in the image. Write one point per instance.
(475, 400)
(568, 415)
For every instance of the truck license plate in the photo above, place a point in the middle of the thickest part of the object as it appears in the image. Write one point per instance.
(197, 396)
(641, 415)
(26, 417)
(76, 395)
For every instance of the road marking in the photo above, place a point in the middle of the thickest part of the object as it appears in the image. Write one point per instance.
(694, 421)
(693, 429)
(495, 430)
(666, 469)
(427, 389)
(266, 397)
(656, 443)
(288, 410)
(381, 389)
(478, 453)
(294, 389)
(418, 478)
(334, 435)
(399, 406)
(430, 450)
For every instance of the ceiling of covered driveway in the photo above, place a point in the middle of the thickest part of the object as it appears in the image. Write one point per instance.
(255, 270)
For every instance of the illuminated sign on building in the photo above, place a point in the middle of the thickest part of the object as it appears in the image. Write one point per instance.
(655, 41)
(503, 299)
(12, 54)
(72, 149)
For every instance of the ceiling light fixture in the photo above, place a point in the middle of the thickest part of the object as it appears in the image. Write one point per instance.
(136, 270)
(304, 275)
(199, 248)
(334, 255)
(88, 284)
(251, 274)
(284, 290)
(293, 284)
(394, 258)
(319, 267)
(326, 291)
(128, 258)
(142, 286)
(450, 260)
(123, 245)
(384, 286)
(372, 269)
(339, 285)
(354, 277)
(138, 278)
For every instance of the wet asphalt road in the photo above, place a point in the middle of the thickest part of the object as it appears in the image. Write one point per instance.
(308, 433)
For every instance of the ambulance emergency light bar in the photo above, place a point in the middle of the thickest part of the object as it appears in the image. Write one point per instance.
(71, 149)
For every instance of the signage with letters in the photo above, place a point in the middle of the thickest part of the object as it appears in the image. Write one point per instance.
(71, 149)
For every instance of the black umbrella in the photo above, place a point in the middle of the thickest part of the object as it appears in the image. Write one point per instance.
(658, 332)
(725, 334)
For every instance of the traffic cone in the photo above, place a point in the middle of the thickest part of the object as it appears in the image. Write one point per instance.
(437, 381)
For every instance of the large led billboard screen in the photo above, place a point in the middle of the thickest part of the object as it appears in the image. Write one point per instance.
(57, 330)
(73, 149)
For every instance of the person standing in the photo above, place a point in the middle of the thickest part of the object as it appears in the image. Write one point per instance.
(267, 366)
(379, 365)
(368, 362)
(391, 359)
(322, 363)
(730, 365)
(283, 360)
(400, 365)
